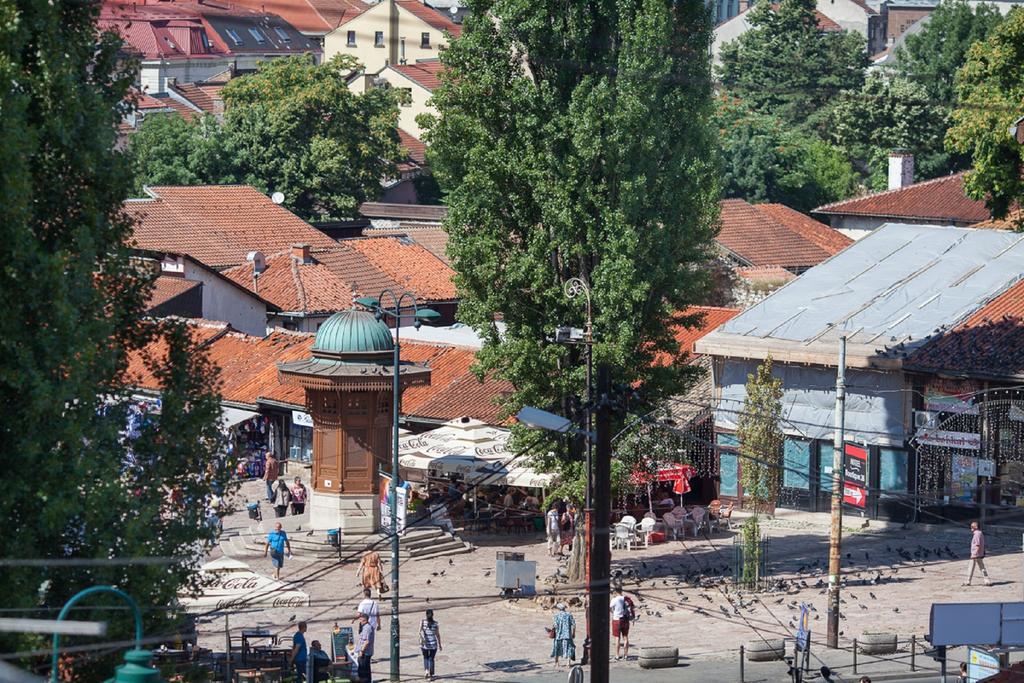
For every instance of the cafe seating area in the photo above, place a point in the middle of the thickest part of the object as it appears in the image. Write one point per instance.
(678, 521)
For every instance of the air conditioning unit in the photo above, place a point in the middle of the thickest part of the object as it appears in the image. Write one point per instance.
(924, 419)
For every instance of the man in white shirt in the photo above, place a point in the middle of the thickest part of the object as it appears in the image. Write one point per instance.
(371, 609)
(552, 526)
(620, 622)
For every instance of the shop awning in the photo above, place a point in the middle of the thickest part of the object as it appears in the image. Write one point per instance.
(229, 417)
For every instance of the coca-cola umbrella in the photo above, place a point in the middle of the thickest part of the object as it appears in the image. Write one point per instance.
(676, 473)
(234, 584)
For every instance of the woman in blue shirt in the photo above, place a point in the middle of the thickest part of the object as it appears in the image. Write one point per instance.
(565, 631)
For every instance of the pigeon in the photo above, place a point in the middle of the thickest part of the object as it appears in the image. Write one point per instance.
(451, 562)
(291, 618)
(310, 533)
(872, 595)
(895, 609)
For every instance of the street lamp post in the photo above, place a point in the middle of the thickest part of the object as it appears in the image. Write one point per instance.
(419, 315)
(136, 668)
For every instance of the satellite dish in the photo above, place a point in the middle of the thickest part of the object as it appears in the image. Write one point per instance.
(277, 197)
(454, 9)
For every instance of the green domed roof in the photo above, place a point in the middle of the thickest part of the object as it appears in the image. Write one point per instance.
(353, 332)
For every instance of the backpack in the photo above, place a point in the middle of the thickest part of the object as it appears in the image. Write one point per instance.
(630, 611)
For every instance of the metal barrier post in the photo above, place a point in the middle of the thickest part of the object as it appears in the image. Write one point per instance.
(741, 663)
(854, 656)
(913, 652)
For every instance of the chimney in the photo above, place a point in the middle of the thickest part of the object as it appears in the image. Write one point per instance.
(901, 169)
(300, 252)
(401, 58)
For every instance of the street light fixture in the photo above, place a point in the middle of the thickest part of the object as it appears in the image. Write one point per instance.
(420, 315)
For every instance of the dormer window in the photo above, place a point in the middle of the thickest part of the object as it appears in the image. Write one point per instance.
(282, 34)
(233, 35)
(258, 35)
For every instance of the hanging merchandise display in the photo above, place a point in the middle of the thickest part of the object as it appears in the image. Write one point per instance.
(252, 439)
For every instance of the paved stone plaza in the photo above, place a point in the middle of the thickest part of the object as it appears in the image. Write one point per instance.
(487, 638)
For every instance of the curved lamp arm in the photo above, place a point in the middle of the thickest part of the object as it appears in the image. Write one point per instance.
(85, 593)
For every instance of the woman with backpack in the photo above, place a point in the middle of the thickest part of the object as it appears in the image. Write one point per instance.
(430, 643)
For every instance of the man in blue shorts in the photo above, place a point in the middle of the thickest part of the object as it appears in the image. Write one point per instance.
(277, 541)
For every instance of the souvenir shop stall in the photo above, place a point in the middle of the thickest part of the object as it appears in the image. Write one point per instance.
(250, 438)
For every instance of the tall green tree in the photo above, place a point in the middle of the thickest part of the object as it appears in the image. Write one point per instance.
(574, 140)
(932, 56)
(293, 127)
(761, 438)
(890, 112)
(990, 98)
(787, 67)
(77, 486)
(763, 161)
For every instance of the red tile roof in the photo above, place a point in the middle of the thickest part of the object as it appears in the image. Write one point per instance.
(354, 268)
(433, 239)
(204, 96)
(825, 237)
(1013, 221)
(425, 72)
(711, 318)
(409, 264)
(167, 288)
(317, 17)
(988, 344)
(414, 147)
(295, 286)
(430, 16)
(217, 225)
(248, 373)
(774, 236)
(164, 31)
(942, 199)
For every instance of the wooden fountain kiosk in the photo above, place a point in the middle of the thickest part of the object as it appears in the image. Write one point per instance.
(348, 383)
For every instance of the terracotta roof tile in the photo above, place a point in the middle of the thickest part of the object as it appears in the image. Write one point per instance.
(1013, 221)
(166, 288)
(248, 373)
(940, 199)
(430, 16)
(760, 238)
(217, 225)
(409, 264)
(414, 147)
(295, 286)
(426, 72)
(713, 316)
(203, 96)
(355, 269)
(989, 344)
(825, 237)
(309, 16)
(434, 240)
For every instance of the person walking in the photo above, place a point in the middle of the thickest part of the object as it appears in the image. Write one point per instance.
(977, 556)
(552, 525)
(277, 541)
(282, 497)
(271, 471)
(430, 643)
(621, 609)
(297, 658)
(371, 573)
(370, 608)
(299, 494)
(563, 642)
(364, 649)
(566, 530)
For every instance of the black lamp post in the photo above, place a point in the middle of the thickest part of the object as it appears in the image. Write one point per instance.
(419, 315)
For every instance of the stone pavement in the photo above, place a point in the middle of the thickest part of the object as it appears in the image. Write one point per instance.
(487, 638)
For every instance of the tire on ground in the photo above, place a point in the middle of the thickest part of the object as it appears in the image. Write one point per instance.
(877, 643)
(658, 663)
(765, 650)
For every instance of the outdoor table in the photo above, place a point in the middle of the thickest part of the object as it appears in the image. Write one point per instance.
(276, 653)
(250, 633)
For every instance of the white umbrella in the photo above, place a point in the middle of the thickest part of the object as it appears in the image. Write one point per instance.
(235, 585)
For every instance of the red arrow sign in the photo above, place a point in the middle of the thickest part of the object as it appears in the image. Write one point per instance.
(854, 495)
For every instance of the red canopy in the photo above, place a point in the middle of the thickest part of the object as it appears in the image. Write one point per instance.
(678, 474)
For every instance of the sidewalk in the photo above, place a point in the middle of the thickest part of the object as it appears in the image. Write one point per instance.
(727, 670)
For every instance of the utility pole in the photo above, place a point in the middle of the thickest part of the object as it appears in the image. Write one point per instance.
(600, 550)
(836, 532)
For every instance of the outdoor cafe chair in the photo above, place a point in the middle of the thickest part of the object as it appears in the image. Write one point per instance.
(645, 529)
(673, 524)
(726, 516)
(623, 536)
(700, 519)
(629, 521)
(714, 512)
